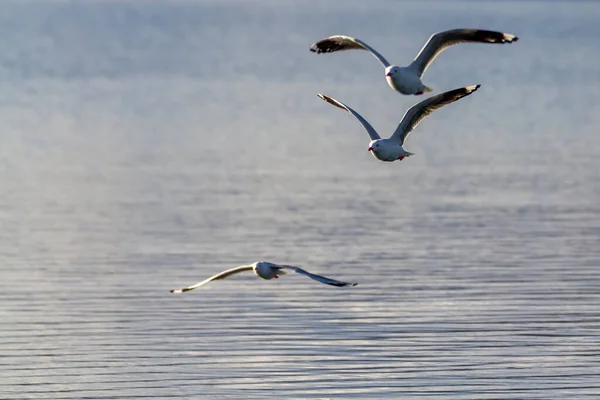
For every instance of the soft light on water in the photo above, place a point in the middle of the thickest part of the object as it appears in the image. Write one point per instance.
(147, 146)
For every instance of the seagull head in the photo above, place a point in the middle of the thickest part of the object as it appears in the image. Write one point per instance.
(391, 70)
(265, 269)
(374, 145)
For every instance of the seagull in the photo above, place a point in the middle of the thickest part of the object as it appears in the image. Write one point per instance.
(407, 80)
(265, 270)
(391, 149)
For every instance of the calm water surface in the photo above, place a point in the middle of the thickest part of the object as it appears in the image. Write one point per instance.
(144, 147)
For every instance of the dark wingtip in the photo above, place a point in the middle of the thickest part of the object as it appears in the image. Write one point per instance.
(316, 49)
(508, 38)
(465, 91)
(469, 89)
(324, 46)
(179, 290)
(494, 36)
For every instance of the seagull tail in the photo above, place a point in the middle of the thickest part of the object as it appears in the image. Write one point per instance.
(408, 154)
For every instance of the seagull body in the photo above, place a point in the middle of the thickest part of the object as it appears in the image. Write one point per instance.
(265, 270)
(391, 149)
(407, 80)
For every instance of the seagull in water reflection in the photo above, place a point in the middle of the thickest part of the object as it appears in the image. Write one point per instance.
(407, 80)
(391, 149)
(265, 270)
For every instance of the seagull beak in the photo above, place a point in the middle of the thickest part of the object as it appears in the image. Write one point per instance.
(389, 74)
(370, 149)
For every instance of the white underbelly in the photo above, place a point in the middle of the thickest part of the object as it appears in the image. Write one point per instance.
(405, 83)
(388, 154)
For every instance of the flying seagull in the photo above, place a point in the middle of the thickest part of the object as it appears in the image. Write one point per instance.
(391, 149)
(407, 80)
(265, 270)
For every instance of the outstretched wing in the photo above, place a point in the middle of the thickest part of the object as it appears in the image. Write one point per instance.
(319, 278)
(372, 133)
(340, 42)
(421, 110)
(221, 275)
(441, 40)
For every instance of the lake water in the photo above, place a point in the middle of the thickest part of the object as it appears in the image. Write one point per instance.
(145, 146)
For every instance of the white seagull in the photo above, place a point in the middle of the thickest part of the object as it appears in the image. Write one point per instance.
(265, 270)
(391, 149)
(407, 80)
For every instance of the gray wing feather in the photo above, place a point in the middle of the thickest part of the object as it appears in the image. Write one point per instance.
(319, 278)
(370, 130)
(438, 42)
(220, 275)
(420, 111)
(340, 42)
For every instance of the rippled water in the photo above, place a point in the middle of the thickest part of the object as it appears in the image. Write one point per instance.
(147, 146)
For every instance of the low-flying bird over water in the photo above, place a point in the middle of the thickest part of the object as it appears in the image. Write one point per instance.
(391, 149)
(407, 80)
(265, 270)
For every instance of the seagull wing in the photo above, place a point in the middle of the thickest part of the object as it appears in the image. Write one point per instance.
(340, 42)
(441, 40)
(372, 132)
(319, 278)
(420, 111)
(220, 275)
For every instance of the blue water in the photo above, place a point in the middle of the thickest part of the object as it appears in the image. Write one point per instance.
(147, 146)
